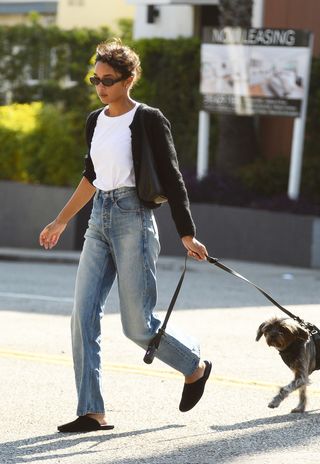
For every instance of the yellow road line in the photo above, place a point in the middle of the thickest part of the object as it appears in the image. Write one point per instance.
(138, 370)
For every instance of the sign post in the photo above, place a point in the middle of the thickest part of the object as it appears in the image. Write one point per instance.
(203, 144)
(298, 142)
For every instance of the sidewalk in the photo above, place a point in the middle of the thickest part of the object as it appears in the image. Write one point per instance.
(289, 285)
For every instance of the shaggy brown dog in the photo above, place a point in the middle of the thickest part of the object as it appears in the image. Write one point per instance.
(297, 349)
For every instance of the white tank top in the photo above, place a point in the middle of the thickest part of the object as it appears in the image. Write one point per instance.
(111, 151)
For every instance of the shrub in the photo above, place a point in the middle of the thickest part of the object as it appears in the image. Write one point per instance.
(310, 183)
(216, 188)
(266, 176)
(170, 81)
(48, 55)
(41, 144)
(224, 189)
(54, 151)
(16, 121)
(312, 136)
(11, 165)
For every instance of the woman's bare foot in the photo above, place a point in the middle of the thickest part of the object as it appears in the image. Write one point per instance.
(198, 373)
(101, 418)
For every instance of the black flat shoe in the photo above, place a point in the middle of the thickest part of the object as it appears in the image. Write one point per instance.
(83, 424)
(192, 392)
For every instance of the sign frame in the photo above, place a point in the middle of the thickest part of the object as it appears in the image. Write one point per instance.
(252, 71)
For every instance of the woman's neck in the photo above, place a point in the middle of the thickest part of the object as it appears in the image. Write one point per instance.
(119, 108)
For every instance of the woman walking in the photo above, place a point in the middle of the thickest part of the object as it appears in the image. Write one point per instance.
(122, 238)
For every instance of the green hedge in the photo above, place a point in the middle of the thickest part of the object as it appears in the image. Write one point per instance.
(52, 151)
(11, 158)
(170, 81)
(48, 148)
(17, 122)
(48, 54)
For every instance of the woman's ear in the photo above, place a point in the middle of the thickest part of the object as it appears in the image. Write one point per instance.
(128, 82)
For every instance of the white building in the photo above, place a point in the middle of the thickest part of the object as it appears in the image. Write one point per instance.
(67, 14)
(173, 18)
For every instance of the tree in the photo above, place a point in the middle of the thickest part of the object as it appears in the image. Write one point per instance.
(237, 139)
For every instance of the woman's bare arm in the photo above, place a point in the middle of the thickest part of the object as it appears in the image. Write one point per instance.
(50, 235)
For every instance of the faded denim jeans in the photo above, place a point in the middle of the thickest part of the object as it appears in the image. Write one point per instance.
(121, 240)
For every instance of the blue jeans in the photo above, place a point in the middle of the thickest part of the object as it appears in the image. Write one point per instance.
(121, 240)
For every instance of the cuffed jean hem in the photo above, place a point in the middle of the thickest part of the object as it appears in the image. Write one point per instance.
(186, 356)
(84, 413)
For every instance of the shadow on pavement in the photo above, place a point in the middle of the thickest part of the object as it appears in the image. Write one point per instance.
(294, 418)
(282, 433)
(261, 436)
(45, 446)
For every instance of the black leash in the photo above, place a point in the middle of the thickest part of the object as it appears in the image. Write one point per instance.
(155, 342)
(313, 330)
(216, 262)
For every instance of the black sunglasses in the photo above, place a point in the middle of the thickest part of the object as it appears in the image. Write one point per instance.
(106, 81)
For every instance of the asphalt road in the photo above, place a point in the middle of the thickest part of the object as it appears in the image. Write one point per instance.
(231, 424)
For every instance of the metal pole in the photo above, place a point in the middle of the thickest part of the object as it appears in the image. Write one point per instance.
(203, 144)
(258, 13)
(298, 139)
(296, 159)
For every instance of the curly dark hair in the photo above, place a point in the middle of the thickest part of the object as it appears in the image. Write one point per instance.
(120, 57)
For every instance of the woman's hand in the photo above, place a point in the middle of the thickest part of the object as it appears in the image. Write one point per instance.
(195, 249)
(51, 233)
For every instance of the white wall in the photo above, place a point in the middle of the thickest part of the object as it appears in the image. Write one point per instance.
(173, 21)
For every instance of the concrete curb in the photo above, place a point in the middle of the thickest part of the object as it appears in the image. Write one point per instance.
(72, 257)
(30, 255)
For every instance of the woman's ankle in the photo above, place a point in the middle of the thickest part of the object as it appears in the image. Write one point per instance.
(197, 374)
(101, 418)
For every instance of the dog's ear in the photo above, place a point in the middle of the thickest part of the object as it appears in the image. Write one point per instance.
(260, 331)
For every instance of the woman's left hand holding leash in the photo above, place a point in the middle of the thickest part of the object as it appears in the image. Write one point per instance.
(195, 248)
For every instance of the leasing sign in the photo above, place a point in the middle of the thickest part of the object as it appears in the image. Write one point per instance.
(254, 71)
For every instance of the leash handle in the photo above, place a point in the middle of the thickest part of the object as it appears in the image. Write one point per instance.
(155, 342)
(216, 262)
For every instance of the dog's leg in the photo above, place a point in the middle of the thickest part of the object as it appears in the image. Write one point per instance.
(302, 400)
(299, 381)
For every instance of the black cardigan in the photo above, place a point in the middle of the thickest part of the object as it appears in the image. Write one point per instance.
(159, 133)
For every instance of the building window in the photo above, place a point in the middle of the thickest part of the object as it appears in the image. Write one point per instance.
(205, 15)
